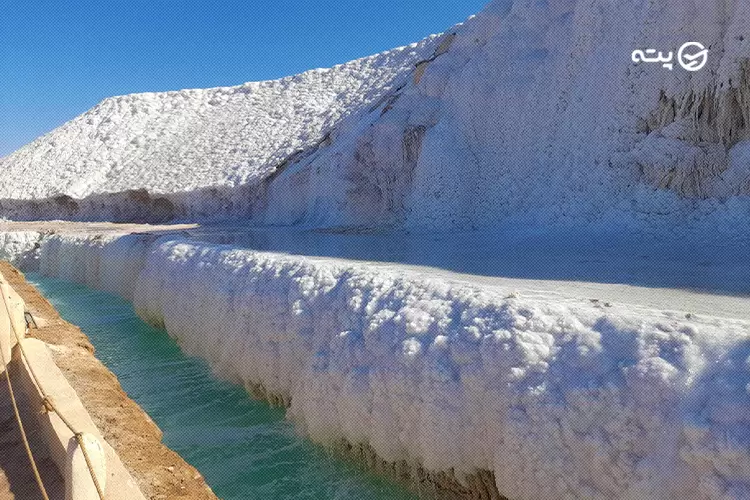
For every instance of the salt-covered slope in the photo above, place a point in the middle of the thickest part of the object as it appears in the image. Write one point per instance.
(182, 141)
(547, 397)
(536, 113)
(529, 112)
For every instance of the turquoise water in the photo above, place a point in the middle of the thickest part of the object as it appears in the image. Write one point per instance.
(244, 448)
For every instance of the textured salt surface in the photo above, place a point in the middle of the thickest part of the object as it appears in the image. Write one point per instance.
(190, 139)
(626, 400)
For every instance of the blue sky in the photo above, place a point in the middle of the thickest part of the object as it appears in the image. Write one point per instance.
(58, 59)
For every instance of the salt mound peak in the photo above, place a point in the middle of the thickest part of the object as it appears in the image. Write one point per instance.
(184, 140)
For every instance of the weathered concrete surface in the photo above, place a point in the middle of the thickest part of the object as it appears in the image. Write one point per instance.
(117, 481)
(9, 322)
(16, 478)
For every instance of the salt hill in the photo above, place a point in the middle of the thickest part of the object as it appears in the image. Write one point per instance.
(120, 159)
(530, 112)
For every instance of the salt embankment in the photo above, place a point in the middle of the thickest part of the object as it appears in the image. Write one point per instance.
(557, 398)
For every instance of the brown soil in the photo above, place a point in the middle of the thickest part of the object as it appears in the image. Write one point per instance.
(160, 472)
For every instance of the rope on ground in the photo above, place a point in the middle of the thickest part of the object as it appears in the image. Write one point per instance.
(50, 407)
(38, 477)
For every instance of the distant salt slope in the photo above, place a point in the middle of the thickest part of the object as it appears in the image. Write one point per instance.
(181, 141)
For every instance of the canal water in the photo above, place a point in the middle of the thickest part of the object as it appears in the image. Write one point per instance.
(244, 448)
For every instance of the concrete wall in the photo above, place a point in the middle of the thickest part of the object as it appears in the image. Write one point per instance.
(8, 321)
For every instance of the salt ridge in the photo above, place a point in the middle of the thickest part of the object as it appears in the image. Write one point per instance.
(529, 113)
(558, 398)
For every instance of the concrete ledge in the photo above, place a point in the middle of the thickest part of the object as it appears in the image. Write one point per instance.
(16, 319)
(62, 444)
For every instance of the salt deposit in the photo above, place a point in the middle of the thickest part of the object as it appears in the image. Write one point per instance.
(529, 113)
(560, 397)
(20, 248)
(164, 143)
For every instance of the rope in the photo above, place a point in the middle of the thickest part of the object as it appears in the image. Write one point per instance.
(50, 407)
(20, 426)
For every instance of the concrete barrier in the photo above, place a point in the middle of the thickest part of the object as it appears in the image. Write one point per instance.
(8, 321)
(38, 366)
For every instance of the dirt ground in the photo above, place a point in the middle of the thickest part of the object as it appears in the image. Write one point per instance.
(159, 471)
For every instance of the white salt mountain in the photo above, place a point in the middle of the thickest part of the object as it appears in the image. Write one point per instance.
(530, 111)
(126, 153)
(536, 113)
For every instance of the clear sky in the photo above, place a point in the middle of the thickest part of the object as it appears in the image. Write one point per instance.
(59, 58)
